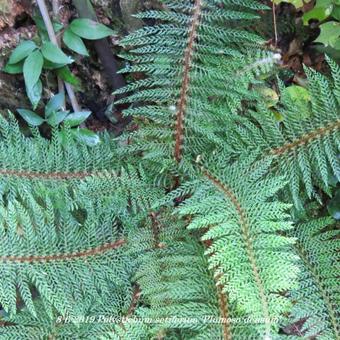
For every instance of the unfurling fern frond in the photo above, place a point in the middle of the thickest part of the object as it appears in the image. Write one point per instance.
(317, 296)
(194, 63)
(306, 144)
(249, 254)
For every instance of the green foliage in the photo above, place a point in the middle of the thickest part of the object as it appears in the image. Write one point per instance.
(30, 59)
(305, 145)
(317, 295)
(89, 29)
(194, 218)
(241, 211)
(55, 114)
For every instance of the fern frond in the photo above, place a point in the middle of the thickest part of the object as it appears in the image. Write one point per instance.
(190, 60)
(27, 159)
(251, 258)
(99, 321)
(317, 295)
(305, 146)
(63, 257)
(180, 291)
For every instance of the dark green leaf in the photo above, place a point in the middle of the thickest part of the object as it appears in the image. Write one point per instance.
(34, 94)
(56, 118)
(32, 68)
(86, 136)
(89, 29)
(65, 74)
(55, 54)
(336, 13)
(14, 68)
(55, 104)
(76, 118)
(31, 117)
(22, 51)
(74, 43)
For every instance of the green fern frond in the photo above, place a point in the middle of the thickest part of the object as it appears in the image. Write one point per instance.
(179, 289)
(305, 145)
(62, 257)
(59, 159)
(317, 295)
(190, 60)
(250, 256)
(99, 322)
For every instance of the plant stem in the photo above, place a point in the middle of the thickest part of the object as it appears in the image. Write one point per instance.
(48, 23)
(61, 88)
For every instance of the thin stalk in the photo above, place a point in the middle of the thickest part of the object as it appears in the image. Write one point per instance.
(49, 27)
(61, 88)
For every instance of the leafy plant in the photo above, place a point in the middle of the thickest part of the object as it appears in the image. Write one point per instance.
(204, 221)
(55, 115)
(31, 58)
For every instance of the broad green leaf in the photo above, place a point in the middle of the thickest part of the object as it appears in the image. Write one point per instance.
(31, 117)
(89, 29)
(32, 68)
(14, 68)
(296, 3)
(39, 21)
(297, 93)
(270, 97)
(22, 51)
(336, 13)
(56, 118)
(329, 33)
(321, 11)
(34, 93)
(334, 206)
(74, 42)
(65, 74)
(55, 54)
(86, 136)
(54, 104)
(76, 118)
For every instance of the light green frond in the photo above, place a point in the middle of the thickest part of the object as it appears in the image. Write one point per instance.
(317, 295)
(249, 253)
(305, 145)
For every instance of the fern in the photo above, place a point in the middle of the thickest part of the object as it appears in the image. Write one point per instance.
(190, 60)
(99, 321)
(104, 230)
(305, 145)
(317, 294)
(251, 258)
(183, 297)
(36, 248)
